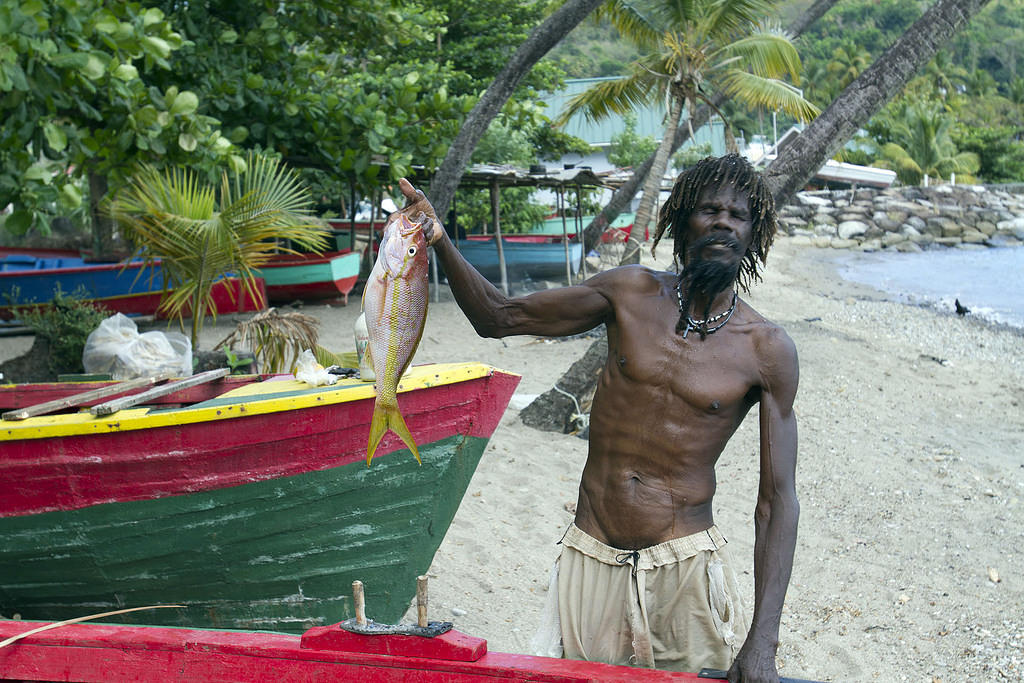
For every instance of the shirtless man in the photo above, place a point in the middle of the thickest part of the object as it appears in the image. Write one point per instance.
(644, 576)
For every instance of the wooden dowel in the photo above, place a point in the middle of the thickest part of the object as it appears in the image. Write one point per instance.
(360, 604)
(421, 601)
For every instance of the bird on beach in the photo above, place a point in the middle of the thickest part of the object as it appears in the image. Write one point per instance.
(960, 308)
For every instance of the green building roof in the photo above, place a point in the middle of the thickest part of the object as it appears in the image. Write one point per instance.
(649, 120)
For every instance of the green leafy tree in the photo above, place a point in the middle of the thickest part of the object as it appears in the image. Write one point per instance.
(628, 149)
(77, 113)
(1000, 155)
(690, 50)
(353, 89)
(201, 231)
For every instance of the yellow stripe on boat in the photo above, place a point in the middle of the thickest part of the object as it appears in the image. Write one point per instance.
(279, 395)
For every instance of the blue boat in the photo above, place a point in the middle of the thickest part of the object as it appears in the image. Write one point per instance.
(527, 257)
(31, 277)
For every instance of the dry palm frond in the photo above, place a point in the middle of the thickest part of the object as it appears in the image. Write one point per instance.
(275, 338)
(76, 620)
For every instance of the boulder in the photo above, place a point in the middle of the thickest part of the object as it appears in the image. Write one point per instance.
(808, 199)
(916, 222)
(891, 238)
(849, 229)
(907, 247)
(986, 227)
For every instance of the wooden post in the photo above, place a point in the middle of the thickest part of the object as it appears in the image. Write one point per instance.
(495, 216)
(352, 223)
(360, 605)
(565, 235)
(421, 601)
(579, 232)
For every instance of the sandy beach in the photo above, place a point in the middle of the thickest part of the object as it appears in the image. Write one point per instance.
(910, 557)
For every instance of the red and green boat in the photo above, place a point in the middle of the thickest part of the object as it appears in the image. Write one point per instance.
(101, 653)
(331, 275)
(247, 501)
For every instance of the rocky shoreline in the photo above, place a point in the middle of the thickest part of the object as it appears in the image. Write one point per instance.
(906, 219)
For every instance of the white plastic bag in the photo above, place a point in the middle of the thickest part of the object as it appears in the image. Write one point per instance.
(116, 347)
(311, 372)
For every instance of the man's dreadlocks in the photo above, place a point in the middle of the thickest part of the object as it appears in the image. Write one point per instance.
(715, 173)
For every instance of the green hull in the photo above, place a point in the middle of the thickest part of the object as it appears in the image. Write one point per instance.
(275, 555)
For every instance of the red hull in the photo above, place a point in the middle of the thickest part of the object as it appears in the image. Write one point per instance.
(101, 466)
(112, 654)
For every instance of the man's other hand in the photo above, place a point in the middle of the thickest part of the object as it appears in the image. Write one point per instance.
(419, 210)
(754, 666)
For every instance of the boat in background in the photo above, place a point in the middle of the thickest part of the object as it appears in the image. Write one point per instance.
(307, 277)
(253, 507)
(618, 230)
(31, 278)
(103, 653)
(527, 257)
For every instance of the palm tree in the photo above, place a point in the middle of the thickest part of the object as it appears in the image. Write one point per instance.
(689, 50)
(798, 162)
(920, 144)
(200, 234)
(624, 194)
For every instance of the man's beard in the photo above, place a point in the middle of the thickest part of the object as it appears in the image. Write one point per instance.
(707, 277)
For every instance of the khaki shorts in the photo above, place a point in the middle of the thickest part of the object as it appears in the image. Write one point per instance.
(673, 606)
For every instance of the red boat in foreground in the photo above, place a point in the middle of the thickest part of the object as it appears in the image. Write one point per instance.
(110, 654)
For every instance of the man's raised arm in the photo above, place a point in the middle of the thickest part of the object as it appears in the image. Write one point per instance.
(777, 511)
(553, 312)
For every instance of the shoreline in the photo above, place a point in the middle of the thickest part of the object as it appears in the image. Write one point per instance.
(910, 478)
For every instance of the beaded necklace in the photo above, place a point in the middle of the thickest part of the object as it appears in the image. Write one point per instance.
(702, 325)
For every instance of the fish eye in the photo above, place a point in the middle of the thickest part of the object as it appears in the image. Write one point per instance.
(412, 251)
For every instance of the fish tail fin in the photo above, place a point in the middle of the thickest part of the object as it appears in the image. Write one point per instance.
(387, 416)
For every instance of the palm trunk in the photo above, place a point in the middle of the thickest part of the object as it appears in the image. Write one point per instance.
(652, 186)
(102, 226)
(199, 298)
(867, 94)
(540, 41)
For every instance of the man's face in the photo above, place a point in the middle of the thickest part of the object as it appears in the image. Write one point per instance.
(719, 228)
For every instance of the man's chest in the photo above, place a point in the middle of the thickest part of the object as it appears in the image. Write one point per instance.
(714, 374)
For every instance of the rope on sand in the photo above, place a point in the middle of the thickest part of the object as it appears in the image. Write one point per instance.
(581, 419)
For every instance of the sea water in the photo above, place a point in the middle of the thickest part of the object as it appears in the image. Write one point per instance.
(990, 282)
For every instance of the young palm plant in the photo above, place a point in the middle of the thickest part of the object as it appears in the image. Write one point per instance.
(689, 51)
(200, 232)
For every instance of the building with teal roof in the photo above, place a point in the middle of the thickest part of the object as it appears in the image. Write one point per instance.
(649, 122)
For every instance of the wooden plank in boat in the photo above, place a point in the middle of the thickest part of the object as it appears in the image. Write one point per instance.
(84, 397)
(128, 401)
